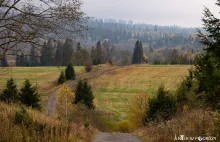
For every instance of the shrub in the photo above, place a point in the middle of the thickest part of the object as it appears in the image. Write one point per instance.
(29, 97)
(162, 107)
(22, 117)
(137, 109)
(61, 78)
(10, 93)
(88, 66)
(124, 126)
(70, 72)
(84, 95)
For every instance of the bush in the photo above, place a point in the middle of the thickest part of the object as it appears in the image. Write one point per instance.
(88, 66)
(70, 72)
(137, 109)
(61, 78)
(162, 107)
(124, 126)
(22, 117)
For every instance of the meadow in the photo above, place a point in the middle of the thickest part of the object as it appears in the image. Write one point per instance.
(114, 90)
(44, 77)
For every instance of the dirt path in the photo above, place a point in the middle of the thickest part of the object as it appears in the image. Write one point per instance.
(51, 106)
(118, 137)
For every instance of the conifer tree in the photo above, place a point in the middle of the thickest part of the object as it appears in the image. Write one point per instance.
(138, 54)
(10, 93)
(70, 72)
(78, 46)
(99, 53)
(33, 58)
(18, 60)
(59, 54)
(47, 54)
(22, 59)
(29, 96)
(61, 78)
(84, 95)
(67, 52)
(3, 62)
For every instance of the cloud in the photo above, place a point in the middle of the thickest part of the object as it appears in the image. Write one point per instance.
(185, 13)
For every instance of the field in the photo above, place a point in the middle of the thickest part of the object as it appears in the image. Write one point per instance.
(114, 90)
(44, 77)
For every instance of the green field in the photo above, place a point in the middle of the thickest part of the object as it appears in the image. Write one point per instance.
(114, 90)
(37, 75)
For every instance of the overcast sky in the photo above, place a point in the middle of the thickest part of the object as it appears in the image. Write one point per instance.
(185, 13)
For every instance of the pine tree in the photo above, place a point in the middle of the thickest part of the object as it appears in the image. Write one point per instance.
(84, 95)
(18, 60)
(22, 59)
(61, 78)
(67, 52)
(99, 53)
(78, 46)
(70, 72)
(138, 54)
(59, 54)
(10, 93)
(33, 58)
(3, 62)
(47, 54)
(29, 96)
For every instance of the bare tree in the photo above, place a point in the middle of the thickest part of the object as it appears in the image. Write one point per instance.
(33, 21)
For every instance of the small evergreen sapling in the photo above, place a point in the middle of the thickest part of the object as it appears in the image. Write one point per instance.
(10, 93)
(70, 72)
(61, 78)
(84, 95)
(29, 96)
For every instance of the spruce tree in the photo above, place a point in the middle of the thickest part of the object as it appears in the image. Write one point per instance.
(29, 96)
(33, 58)
(22, 59)
(99, 53)
(135, 58)
(61, 78)
(4, 62)
(47, 54)
(70, 72)
(78, 46)
(10, 93)
(59, 54)
(18, 60)
(67, 52)
(84, 95)
(138, 54)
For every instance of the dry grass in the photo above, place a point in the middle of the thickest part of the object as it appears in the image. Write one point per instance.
(55, 130)
(114, 90)
(191, 124)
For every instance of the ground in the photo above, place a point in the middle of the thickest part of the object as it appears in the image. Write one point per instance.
(114, 90)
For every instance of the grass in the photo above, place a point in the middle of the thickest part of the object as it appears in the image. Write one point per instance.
(44, 77)
(40, 127)
(114, 90)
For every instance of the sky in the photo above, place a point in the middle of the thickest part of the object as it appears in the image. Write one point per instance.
(184, 13)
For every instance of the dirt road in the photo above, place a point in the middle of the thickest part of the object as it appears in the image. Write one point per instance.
(51, 106)
(118, 137)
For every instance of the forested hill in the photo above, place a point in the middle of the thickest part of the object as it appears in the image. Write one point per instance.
(152, 35)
